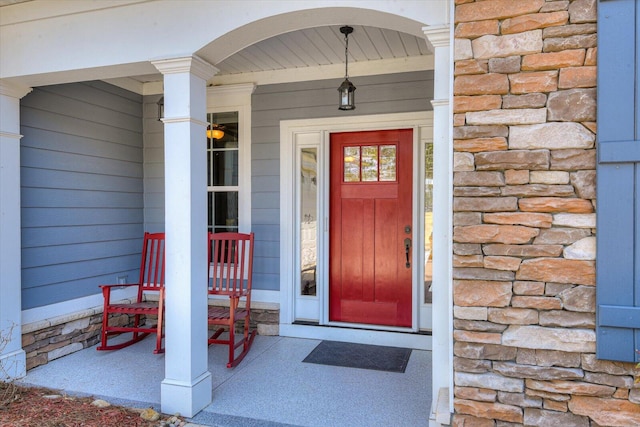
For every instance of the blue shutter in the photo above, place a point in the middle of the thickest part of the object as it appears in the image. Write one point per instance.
(618, 181)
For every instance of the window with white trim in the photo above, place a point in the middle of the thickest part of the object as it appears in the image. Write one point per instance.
(229, 157)
(223, 171)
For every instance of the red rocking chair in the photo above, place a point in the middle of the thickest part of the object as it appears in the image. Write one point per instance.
(151, 281)
(230, 273)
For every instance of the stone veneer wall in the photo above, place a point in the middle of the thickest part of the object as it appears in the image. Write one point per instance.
(524, 220)
(50, 339)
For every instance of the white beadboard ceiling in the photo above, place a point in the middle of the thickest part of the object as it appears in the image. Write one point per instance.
(319, 46)
(293, 56)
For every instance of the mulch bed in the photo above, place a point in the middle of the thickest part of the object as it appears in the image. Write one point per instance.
(30, 407)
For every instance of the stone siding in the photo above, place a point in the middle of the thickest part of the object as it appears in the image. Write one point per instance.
(524, 220)
(50, 339)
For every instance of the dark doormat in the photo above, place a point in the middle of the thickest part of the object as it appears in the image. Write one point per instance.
(362, 356)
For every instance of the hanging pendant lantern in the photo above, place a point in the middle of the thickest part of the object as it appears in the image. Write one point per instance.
(347, 91)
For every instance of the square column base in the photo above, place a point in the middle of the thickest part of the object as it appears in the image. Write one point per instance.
(186, 399)
(13, 365)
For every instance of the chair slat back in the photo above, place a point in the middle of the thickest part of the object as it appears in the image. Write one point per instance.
(230, 263)
(152, 264)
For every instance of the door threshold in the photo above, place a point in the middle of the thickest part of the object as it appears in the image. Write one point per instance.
(313, 330)
(373, 328)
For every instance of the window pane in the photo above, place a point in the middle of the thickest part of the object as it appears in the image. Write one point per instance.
(351, 164)
(387, 163)
(428, 222)
(223, 211)
(370, 163)
(228, 123)
(223, 168)
(222, 151)
(308, 226)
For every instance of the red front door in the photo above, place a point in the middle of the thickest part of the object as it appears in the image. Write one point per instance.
(370, 227)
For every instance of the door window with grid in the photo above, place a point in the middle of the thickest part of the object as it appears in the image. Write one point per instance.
(223, 171)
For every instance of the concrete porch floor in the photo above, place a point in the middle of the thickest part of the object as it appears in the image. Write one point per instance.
(271, 387)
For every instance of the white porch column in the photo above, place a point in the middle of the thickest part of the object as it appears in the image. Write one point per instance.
(440, 39)
(187, 385)
(12, 357)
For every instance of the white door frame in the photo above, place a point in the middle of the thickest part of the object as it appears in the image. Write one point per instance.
(317, 131)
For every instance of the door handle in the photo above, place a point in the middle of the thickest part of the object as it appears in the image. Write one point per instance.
(407, 248)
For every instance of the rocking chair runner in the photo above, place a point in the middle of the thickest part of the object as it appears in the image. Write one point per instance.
(230, 274)
(151, 280)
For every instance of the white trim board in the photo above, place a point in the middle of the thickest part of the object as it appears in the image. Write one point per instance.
(359, 336)
(70, 307)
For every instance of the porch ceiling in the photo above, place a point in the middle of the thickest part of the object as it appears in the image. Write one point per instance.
(320, 46)
(311, 53)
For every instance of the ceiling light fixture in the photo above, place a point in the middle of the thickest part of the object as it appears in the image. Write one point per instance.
(215, 132)
(347, 90)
